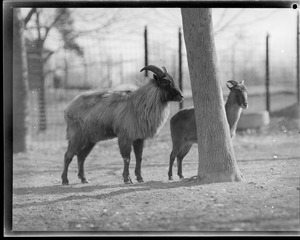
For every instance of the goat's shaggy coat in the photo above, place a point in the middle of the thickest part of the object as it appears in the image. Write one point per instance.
(134, 114)
(131, 116)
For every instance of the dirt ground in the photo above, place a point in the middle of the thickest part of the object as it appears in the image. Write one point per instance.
(266, 203)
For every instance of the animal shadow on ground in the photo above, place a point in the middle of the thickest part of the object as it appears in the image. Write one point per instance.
(121, 189)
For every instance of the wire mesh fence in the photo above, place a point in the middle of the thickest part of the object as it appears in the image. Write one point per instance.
(114, 61)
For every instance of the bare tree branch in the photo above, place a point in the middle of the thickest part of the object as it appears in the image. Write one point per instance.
(256, 19)
(48, 54)
(243, 24)
(105, 20)
(29, 15)
(51, 25)
(221, 18)
(228, 22)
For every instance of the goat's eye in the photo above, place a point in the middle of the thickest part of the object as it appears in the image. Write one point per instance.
(165, 82)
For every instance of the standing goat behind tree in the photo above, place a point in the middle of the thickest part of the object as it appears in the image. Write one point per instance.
(131, 116)
(216, 157)
(183, 124)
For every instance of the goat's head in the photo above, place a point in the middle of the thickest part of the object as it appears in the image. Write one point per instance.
(165, 82)
(239, 92)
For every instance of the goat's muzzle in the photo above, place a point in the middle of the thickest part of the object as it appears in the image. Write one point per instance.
(178, 98)
(245, 105)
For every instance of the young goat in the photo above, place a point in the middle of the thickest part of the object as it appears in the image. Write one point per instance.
(131, 116)
(183, 124)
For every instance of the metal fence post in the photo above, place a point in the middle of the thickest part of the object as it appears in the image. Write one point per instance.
(180, 64)
(267, 74)
(233, 61)
(146, 49)
(297, 67)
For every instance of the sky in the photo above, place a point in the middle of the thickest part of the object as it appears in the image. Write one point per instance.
(279, 23)
(241, 32)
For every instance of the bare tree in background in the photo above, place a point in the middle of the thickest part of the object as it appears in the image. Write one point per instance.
(41, 21)
(222, 24)
(217, 161)
(102, 21)
(19, 84)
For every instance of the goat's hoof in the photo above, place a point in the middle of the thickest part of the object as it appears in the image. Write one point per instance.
(171, 178)
(84, 181)
(65, 183)
(140, 179)
(128, 181)
(181, 177)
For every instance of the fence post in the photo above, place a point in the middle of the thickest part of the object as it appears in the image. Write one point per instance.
(180, 64)
(297, 68)
(66, 69)
(146, 49)
(267, 74)
(233, 61)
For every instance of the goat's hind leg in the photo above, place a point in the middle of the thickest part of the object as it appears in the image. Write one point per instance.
(67, 160)
(74, 136)
(180, 157)
(173, 155)
(125, 150)
(138, 146)
(81, 156)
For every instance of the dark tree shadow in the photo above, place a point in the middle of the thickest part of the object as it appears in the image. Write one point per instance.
(59, 189)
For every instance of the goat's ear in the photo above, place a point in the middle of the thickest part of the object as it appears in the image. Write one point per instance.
(230, 84)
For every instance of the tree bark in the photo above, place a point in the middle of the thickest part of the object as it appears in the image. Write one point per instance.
(20, 85)
(217, 161)
(42, 106)
(41, 89)
(41, 92)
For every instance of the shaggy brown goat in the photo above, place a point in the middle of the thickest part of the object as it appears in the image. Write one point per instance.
(131, 116)
(183, 124)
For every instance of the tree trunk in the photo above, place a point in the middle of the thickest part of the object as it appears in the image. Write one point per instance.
(41, 89)
(42, 106)
(217, 161)
(20, 85)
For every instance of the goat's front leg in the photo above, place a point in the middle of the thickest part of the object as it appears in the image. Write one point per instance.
(125, 150)
(138, 146)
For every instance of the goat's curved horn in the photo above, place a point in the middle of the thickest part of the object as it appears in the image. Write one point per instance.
(164, 69)
(154, 69)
